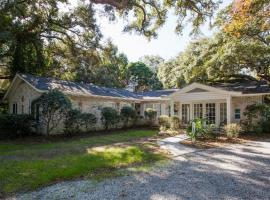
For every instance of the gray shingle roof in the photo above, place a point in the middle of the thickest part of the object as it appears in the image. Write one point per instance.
(44, 83)
(158, 93)
(246, 86)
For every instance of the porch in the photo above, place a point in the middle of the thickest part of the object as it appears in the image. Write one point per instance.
(215, 111)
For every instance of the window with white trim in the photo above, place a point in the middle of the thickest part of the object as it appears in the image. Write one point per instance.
(185, 113)
(210, 113)
(237, 113)
(198, 111)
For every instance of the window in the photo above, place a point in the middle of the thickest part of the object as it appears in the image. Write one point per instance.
(237, 113)
(185, 113)
(223, 113)
(149, 105)
(210, 113)
(14, 109)
(198, 111)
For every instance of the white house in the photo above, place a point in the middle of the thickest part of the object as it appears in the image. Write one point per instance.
(219, 103)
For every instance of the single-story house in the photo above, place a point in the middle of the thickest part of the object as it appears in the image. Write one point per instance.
(219, 103)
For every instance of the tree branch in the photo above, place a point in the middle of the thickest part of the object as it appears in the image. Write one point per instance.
(119, 4)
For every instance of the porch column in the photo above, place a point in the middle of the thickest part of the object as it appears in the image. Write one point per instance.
(171, 108)
(229, 105)
(162, 109)
(191, 112)
(217, 122)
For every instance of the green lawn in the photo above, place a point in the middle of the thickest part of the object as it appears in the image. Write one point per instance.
(29, 166)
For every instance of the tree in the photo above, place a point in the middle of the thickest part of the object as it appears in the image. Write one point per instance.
(152, 62)
(142, 77)
(146, 17)
(248, 18)
(189, 66)
(54, 107)
(29, 28)
(217, 58)
(41, 35)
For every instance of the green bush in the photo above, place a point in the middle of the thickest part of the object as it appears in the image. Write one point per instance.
(128, 114)
(174, 123)
(16, 125)
(88, 120)
(232, 130)
(77, 122)
(209, 131)
(109, 117)
(54, 107)
(201, 130)
(252, 113)
(151, 115)
(198, 131)
(164, 122)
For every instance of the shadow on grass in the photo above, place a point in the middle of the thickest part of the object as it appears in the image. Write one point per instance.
(223, 173)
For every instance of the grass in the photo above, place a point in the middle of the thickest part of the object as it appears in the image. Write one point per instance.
(29, 166)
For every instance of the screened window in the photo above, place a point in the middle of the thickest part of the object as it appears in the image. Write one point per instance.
(223, 113)
(198, 111)
(185, 113)
(237, 113)
(210, 113)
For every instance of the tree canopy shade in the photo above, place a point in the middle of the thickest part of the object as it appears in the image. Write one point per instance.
(53, 38)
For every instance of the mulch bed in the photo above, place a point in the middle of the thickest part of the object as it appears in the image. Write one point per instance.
(206, 143)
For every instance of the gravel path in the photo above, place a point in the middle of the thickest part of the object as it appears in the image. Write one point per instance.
(235, 172)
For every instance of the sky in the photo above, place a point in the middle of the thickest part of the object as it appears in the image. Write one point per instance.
(167, 45)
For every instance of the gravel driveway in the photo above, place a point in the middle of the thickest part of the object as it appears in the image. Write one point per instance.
(235, 172)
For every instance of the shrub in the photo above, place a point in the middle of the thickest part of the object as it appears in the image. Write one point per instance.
(232, 130)
(255, 111)
(71, 122)
(151, 115)
(174, 122)
(88, 120)
(128, 114)
(16, 125)
(109, 117)
(54, 107)
(79, 122)
(164, 123)
(201, 129)
(197, 131)
(209, 131)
